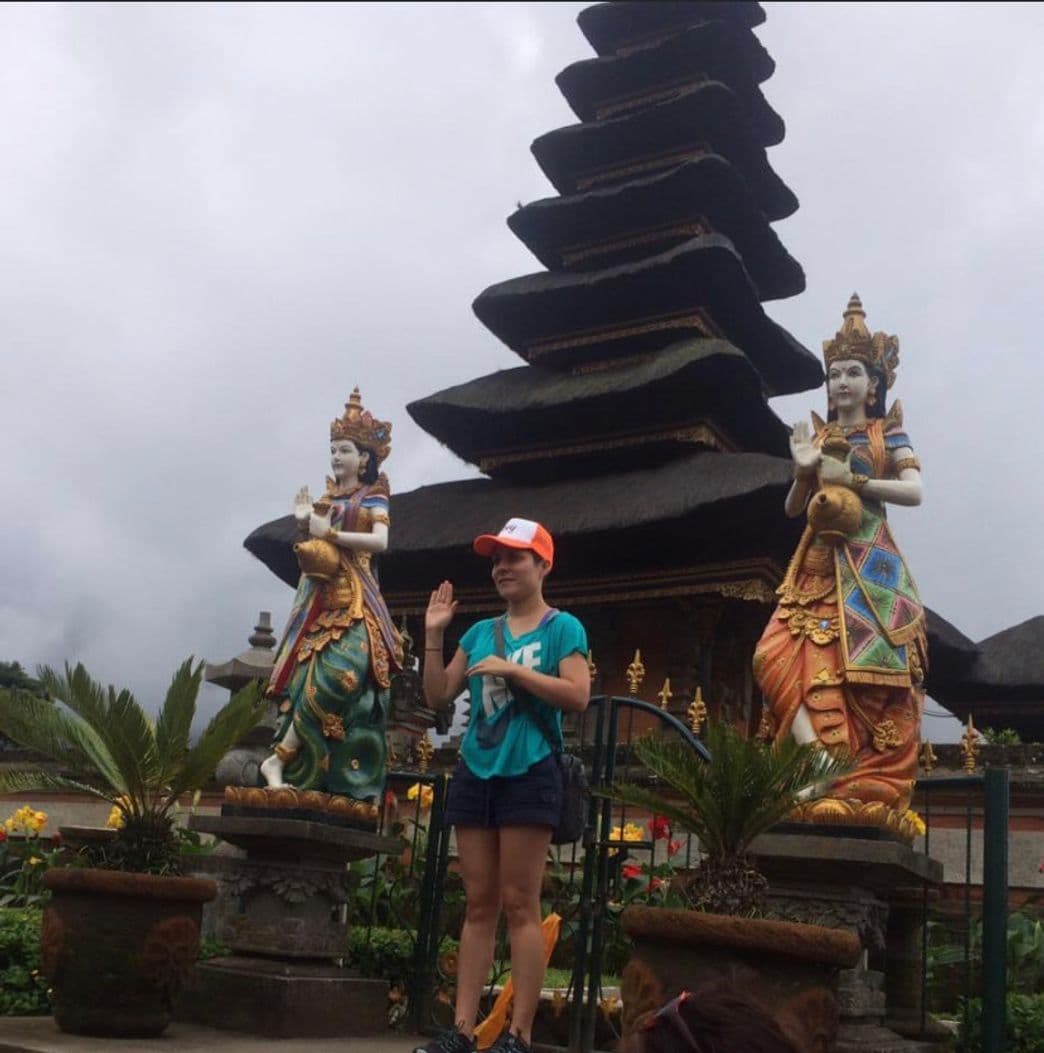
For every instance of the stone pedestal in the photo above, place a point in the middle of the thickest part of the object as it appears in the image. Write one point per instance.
(874, 888)
(280, 911)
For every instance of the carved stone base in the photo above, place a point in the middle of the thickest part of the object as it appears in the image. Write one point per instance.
(283, 899)
(284, 1000)
(873, 888)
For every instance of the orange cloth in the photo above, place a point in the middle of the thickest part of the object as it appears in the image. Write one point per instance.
(493, 1026)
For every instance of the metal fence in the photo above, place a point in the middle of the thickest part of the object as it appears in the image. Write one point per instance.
(980, 963)
(419, 898)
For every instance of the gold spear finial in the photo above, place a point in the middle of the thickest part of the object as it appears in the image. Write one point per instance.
(927, 757)
(766, 731)
(969, 746)
(635, 674)
(665, 694)
(697, 711)
(425, 751)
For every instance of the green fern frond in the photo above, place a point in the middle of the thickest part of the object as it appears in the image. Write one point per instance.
(175, 719)
(744, 790)
(239, 715)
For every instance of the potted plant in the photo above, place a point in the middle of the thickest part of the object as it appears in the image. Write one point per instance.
(745, 789)
(121, 929)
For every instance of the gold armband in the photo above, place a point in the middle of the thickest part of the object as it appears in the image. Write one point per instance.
(906, 462)
(859, 481)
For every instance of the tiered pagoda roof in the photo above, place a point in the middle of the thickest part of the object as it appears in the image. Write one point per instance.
(638, 430)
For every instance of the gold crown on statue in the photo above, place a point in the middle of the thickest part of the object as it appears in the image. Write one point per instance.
(877, 351)
(362, 428)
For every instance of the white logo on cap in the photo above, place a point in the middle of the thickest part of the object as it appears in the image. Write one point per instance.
(524, 528)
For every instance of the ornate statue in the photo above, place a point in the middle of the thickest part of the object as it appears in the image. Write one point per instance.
(843, 659)
(334, 664)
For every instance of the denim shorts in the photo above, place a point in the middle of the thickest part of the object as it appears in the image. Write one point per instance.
(533, 798)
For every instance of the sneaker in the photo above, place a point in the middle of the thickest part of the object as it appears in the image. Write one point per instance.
(450, 1041)
(510, 1043)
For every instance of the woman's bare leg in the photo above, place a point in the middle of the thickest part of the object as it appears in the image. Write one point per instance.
(477, 850)
(523, 854)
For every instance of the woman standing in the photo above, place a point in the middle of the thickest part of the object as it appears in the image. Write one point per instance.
(522, 671)
(333, 667)
(843, 659)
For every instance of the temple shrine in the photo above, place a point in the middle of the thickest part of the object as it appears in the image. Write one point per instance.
(637, 428)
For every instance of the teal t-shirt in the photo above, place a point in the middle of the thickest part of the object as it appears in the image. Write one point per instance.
(502, 739)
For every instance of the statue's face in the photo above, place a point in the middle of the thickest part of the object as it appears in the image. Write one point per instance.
(346, 461)
(848, 384)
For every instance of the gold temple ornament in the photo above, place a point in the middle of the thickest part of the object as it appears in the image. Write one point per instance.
(635, 674)
(425, 751)
(665, 694)
(697, 711)
(591, 667)
(927, 757)
(766, 732)
(969, 746)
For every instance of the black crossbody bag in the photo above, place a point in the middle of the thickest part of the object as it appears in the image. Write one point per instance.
(576, 791)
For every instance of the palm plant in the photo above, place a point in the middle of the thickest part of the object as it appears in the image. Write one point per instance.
(744, 790)
(106, 746)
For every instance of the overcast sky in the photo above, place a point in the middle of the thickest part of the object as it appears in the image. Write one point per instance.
(216, 219)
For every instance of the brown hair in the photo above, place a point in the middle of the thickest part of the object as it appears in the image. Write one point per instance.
(716, 1018)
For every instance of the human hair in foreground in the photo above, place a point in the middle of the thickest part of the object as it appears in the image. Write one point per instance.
(715, 1018)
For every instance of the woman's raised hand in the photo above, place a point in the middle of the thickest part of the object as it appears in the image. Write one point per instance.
(302, 506)
(441, 608)
(806, 455)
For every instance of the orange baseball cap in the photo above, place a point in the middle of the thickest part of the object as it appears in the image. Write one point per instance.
(518, 533)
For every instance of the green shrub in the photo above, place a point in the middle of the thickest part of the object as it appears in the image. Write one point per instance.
(381, 954)
(23, 987)
(387, 954)
(1023, 1031)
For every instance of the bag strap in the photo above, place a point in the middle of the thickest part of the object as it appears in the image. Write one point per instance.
(520, 695)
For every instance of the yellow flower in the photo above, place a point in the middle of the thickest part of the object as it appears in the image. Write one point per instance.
(33, 860)
(425, 793)
(25, 820)
(116, 819)
(633, 832)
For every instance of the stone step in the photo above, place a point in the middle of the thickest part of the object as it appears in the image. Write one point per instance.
(867, 1038)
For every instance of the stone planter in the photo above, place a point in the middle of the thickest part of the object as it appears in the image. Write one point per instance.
(118, 946)
(791, 968)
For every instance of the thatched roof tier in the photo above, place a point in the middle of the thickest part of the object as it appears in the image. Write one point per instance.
(707, 508)
(1003, 686)
(706, 118)
(722, 51)
(604, 228)
(535, 420)
(950, 653)
(698, 289)
(620, 27)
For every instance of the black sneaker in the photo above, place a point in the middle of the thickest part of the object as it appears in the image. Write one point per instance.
(450, 1041)
(510, 1043)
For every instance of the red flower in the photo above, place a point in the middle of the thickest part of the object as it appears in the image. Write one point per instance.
(631, 870)
(654, 883)
(3, 835)
(673, 847)
(660, 828)
(56, 838)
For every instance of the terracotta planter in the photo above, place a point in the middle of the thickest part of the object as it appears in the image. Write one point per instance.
(117, 947)
(790, 968)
